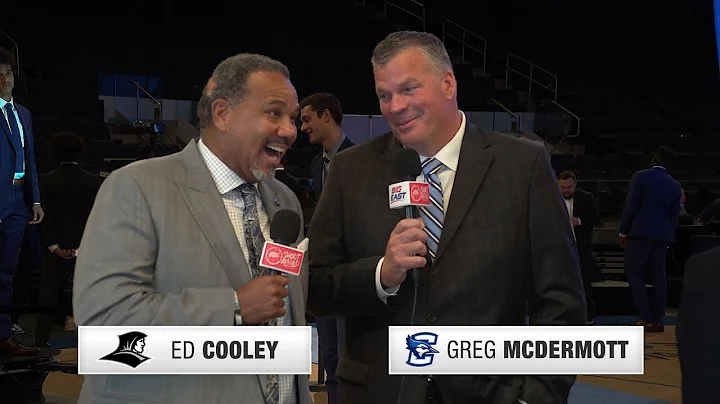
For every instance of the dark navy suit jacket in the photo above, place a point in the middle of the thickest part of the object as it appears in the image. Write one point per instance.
(8, 156)
(316, 168)
(652, 206)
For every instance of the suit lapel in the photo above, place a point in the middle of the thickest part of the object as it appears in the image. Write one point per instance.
(208, 209)
(273, 202)
(475, 159)
(316, 169)
(6, 129)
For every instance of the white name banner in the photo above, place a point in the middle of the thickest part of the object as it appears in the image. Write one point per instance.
(522, 350)
(194, 350)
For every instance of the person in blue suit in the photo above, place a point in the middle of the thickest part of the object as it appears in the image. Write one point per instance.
(647, 227)
(19, 195)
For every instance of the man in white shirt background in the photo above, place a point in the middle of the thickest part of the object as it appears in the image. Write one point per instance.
(584, 216)
(19, 194)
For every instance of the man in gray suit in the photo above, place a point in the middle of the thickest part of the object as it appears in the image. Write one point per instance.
(175, 241)
(499, 249)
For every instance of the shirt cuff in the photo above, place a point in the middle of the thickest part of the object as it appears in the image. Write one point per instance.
(36, 203)
(383, 293)
(237, 316)
(521, 401)
(53, 247)
(579, 222)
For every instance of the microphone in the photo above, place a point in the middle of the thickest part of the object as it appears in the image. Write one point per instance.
(285, 227)
(409, 194)
(276, 254)
(406, 164)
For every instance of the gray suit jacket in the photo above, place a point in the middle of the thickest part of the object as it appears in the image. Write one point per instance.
(159, 249)
(506, 251)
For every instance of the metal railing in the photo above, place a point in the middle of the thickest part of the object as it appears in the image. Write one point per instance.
(138, 89)
(420, 16)
(575, 117)
(17, 50)
(463, 39)
(516, 117)
(530, 72)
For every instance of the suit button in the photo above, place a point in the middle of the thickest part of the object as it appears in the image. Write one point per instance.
(431, 318)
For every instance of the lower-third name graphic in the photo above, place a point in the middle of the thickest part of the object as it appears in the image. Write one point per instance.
(226, 349)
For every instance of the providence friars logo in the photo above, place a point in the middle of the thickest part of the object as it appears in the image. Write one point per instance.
(129, 350)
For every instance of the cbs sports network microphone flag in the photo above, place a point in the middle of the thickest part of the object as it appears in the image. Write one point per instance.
(519, 350)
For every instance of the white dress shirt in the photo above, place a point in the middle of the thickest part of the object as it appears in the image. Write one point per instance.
(449, 155)
(570, 205)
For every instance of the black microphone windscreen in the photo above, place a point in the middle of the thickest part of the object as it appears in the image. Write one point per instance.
(285, 227)
(406, 163)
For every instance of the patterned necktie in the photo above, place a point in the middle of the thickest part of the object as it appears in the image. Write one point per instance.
(433, 215)
(251, 226)
(15, 138)
(255, 240)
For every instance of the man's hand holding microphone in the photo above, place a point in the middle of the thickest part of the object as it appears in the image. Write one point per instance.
(407, 246)
(262, 300)
(405, 251)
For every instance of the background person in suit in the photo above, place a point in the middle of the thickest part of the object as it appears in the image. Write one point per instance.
(647, 226)
(175, 226)
(68, 192)
(696, 330)
(505, 244)
(584, 216)
(19, 191)
(321, 116)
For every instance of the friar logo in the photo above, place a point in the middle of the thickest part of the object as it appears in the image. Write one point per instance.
(129, 350)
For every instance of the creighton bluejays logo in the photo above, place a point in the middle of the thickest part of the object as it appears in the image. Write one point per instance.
(421, 348)
(129, 350)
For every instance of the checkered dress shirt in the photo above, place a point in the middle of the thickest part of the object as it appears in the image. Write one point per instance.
(227, 181)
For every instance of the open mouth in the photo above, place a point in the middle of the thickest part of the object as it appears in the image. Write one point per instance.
(274, 153)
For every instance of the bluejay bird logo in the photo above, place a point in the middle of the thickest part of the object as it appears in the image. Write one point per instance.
(421, 349)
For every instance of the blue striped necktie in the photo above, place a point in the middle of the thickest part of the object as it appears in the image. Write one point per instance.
(433, 215)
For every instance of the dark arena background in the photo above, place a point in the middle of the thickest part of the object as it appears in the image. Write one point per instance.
(602, 84)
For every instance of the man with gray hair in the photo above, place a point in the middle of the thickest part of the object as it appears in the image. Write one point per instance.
(176, 240)
(500, 248)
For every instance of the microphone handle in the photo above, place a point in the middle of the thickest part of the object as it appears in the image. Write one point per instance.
(411, 213)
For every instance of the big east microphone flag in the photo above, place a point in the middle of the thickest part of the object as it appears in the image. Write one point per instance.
(409, 193)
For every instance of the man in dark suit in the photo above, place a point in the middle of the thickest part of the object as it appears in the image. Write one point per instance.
(69, 193)
(19, 192)
(499, 249)
(696, 331)
(647, 227)
(584, 216)
(321, 116)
